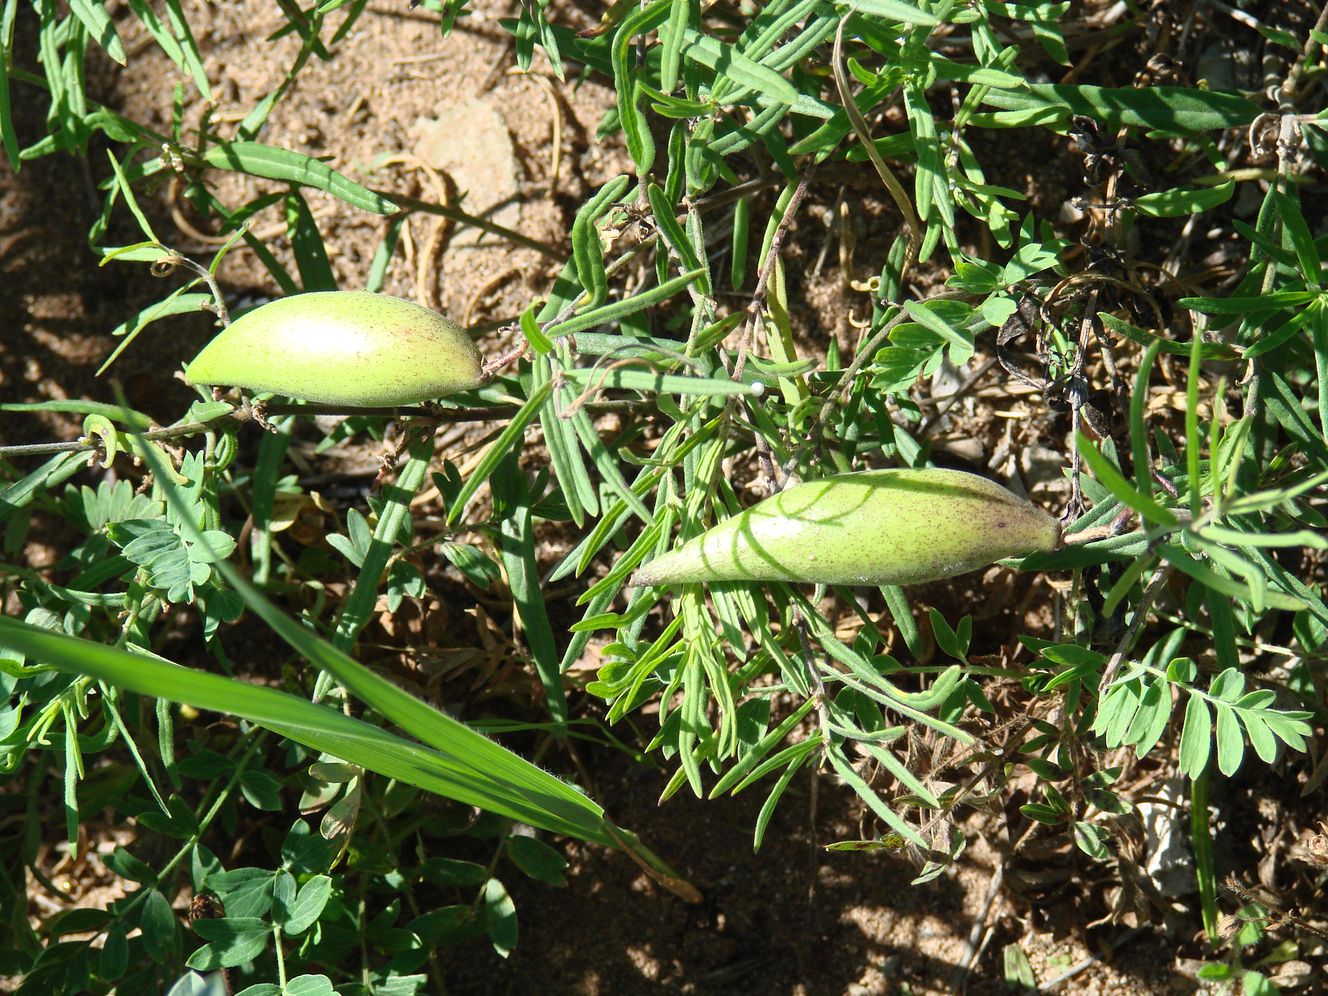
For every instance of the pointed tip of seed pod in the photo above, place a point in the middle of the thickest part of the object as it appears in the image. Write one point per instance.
(670, 567)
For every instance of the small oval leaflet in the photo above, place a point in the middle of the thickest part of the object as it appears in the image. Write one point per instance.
(873, 527)
(352, 348)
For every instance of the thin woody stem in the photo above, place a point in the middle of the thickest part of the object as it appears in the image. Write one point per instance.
(767, 267)
(246, 413)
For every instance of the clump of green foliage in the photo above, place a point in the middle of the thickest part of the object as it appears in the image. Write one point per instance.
(1193, 618)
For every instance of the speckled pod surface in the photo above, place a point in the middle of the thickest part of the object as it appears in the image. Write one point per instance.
(350, 348)
(867, 528)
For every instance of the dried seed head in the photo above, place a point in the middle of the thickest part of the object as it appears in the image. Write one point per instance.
(867, 528)
(349, 348)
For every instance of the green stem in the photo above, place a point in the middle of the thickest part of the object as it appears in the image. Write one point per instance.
(281, 957)
(1201, 839)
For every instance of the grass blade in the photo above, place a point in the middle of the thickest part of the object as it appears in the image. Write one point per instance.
(473, 769)
(466, 761)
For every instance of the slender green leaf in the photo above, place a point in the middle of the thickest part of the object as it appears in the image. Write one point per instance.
(656, 383)
(307, 244)
(1168, 110)
(7, 133)
(470, 768)
(1121, 488)
(621, 309)
(274, 163)
(516, 545)
(877, 805)
(1180, 201)
(189, 48)
(507, 441)
(896, 10)
(640, 144)
(359, 607)
(731, 64)
(587, 249)
(94, 17)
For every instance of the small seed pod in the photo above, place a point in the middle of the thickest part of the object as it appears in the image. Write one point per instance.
(868, 528)
(350, 348)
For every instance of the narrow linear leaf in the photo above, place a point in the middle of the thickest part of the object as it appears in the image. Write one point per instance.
(587, 248)
(516, 544)
(657, 383)
(1121, 488)
(731, 64)
(874, 801)
(189, 48)
(640, 144)
(1169, 110)
(99, 25)
(621, 309)
(1184, 200)
(359, 607)
(474, 769)
(274, 163)
(896, 10)
(508, 440)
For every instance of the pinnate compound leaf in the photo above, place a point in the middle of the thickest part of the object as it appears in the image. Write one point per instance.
(1290, 727)
(160, 551)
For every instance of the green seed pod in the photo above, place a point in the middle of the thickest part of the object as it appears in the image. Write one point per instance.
(349, 348)
(873, 527)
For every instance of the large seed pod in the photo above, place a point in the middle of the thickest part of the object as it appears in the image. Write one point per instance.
(349, 348)
(868, 528)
